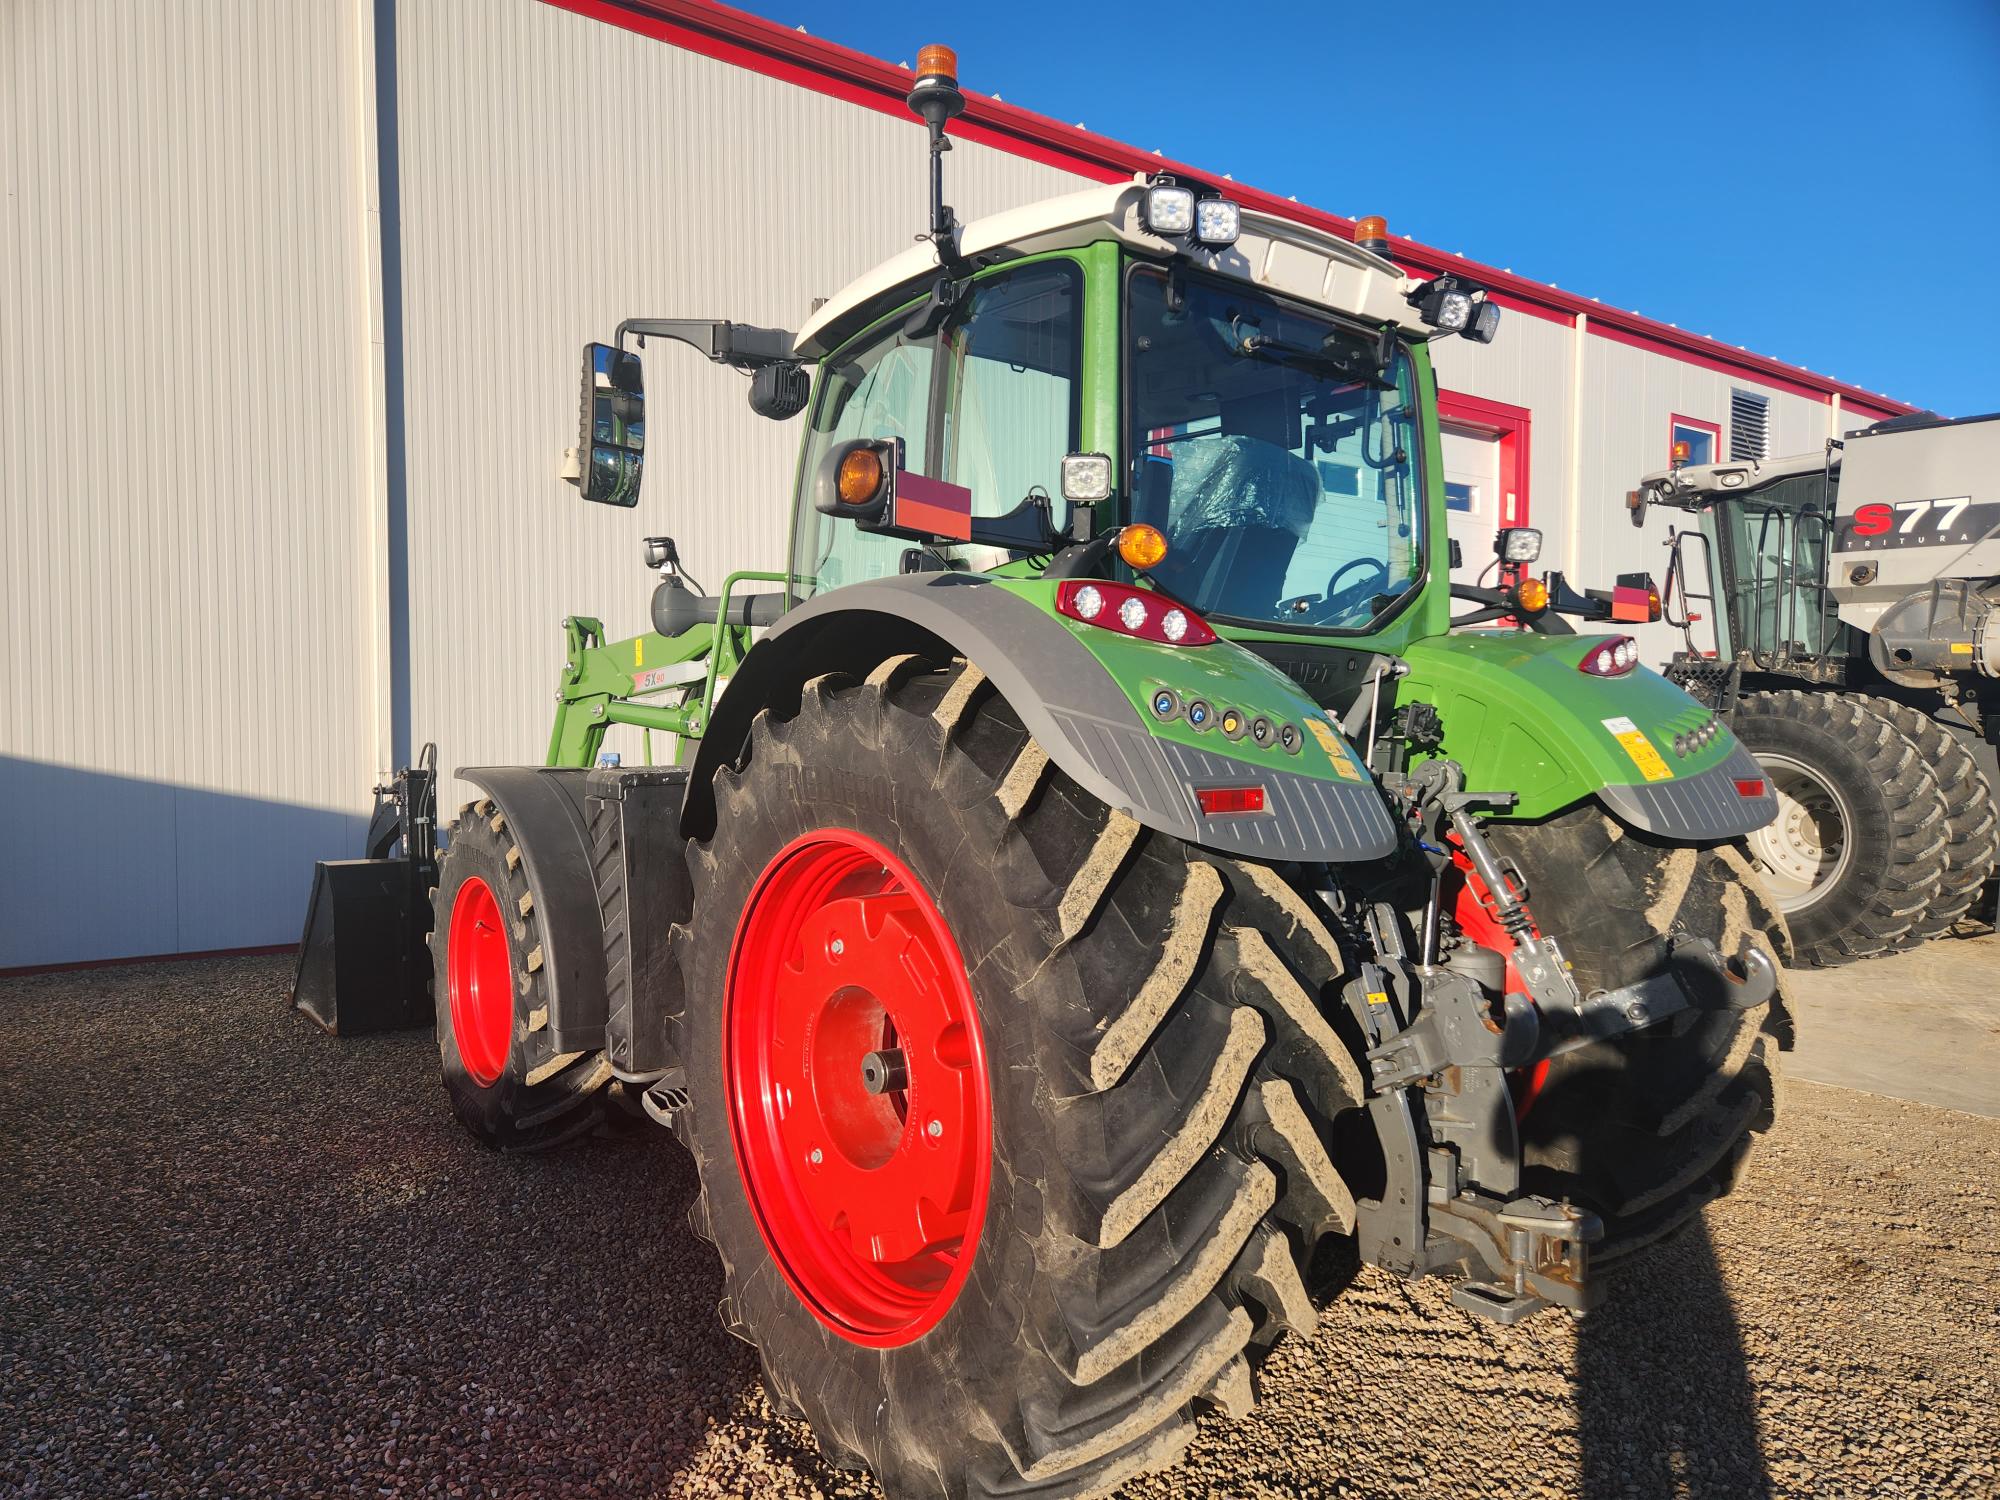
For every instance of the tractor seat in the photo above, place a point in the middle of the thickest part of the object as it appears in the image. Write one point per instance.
(1237, 509)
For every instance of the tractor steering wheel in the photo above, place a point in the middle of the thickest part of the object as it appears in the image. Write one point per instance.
(1338, 600)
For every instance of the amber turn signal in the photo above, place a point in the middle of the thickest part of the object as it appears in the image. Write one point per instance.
(860, 477)
(1532, 595)
(1141, 546)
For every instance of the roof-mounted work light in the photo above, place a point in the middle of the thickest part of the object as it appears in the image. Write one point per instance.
(1451, 304)
(1174, 211)
(1217, 221)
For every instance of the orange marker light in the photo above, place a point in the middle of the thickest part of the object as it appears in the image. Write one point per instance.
(1374, 227)
(937, 61)
(1142, 546)
(860, 477)
(1532, 595)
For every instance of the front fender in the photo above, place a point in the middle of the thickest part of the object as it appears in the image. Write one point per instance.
(1079, 690)
(1520, 716)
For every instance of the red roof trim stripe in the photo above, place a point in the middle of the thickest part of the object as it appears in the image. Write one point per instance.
(826, 67)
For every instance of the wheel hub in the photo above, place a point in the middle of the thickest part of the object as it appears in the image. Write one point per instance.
(859, 1104)
(480, 977)
(1803, 850)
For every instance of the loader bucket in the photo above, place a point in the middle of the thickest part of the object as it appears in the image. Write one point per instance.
(364, 957)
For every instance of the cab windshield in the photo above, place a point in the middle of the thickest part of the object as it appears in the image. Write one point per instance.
(1275, 453)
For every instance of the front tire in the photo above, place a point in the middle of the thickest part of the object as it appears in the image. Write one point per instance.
(1136, 1109)
(1856, 855)
(1649, 1126)
(508, 1085)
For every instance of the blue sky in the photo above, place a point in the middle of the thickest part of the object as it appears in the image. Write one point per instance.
(1819, 182)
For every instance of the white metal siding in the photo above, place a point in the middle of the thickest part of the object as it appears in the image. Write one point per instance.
(183, 580)
(203, 409)
(558, 175)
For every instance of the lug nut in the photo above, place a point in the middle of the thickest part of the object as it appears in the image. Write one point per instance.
(815, 1156)
(836, 947)
(885, 1072)
(934, 1129)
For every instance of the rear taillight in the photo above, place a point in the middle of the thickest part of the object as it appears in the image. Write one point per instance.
(1753, 787)
(1219, 801)
(1613, 657)
(1130, 611)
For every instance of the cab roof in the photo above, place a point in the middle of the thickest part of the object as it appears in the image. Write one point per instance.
(1293, 259)
(1697, 481)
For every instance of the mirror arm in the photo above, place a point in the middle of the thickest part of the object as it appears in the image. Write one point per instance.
(738, 344)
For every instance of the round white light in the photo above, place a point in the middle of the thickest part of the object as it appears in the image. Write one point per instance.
(1132, 613)
(1088, 603)
(1606, 660)
(1626, 655)
(1173, 624)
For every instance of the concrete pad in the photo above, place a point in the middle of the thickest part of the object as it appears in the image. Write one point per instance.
(1922, 1025)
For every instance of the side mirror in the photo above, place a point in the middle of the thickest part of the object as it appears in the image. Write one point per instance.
(612, 442)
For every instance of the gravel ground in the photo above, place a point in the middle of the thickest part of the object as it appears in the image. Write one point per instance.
(239, 1258)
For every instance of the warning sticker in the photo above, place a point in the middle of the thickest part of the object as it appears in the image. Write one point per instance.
(1649, 760)
(1335, 748)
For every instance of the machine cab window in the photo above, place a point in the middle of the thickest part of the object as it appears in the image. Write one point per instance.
(1277, 452)
(995, 412)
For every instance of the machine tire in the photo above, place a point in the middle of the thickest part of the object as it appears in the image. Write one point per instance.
(1971, 820)
(1888, 802)
(511, 1089)
(1647, 1127)
(1161, 1081)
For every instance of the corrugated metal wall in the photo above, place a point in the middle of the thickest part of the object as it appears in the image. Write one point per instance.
(185, 583)
(558, 175)
(279, 470)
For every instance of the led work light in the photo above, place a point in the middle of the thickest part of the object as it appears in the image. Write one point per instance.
(1518, 544)
(1086, 478)
(1175, 212)
(1451, 304)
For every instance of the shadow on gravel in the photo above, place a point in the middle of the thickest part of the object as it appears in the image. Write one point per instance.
(1665, 1407)
(241, 1257)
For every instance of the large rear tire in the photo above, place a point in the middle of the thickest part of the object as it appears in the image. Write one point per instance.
(508, 1085)
(1023, 1264)
(1971, 822)
(1647, 1127)
(1856, 855)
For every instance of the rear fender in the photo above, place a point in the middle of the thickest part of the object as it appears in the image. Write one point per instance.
(1076, 693)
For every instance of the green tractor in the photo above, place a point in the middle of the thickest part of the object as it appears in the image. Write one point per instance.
(1094, 888)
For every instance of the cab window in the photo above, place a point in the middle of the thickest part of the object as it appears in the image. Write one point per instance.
(1014, 373)
(996, 414)
(878, 390)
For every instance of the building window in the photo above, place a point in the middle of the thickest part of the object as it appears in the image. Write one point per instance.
(1693, 441)
(1749, 425)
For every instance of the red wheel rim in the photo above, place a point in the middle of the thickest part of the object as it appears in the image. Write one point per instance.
(481, 976)
(1476, 920)
(870, 1203)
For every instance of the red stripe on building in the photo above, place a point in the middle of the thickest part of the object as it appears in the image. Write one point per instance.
(765, 47)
